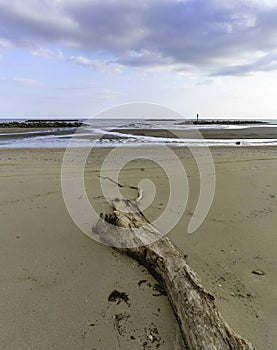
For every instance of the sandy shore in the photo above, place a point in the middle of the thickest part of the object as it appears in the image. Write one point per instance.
(262, 132)
(56, 281)
(15, 133)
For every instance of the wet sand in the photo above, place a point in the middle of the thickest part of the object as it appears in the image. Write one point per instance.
(56, 281)
(263, 132)
(258, 132)
(15, 133)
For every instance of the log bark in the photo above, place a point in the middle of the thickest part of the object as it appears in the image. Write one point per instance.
(201, 324)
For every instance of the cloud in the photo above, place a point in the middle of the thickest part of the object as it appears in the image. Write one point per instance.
(22, 80)
(107, 94)
(213, 37)
(100, 93)
(96, 64)
(47, 53)
(4, 44)
(265, 63)
(73, 88)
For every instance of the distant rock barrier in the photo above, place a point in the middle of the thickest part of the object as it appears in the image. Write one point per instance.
(41, 124)
(227, 122)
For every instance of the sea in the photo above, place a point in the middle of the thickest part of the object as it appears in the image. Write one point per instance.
(92, 134)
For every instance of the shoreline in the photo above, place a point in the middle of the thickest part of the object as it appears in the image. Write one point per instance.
(130, 137)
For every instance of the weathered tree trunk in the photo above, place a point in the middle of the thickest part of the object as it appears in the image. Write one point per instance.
(200, 322)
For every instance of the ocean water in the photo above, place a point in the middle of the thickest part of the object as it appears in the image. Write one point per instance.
(92, 135)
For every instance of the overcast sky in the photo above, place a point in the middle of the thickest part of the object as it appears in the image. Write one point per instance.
(74, 58)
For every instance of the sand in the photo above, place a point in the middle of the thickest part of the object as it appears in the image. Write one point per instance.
(56, 281)
(262, 132)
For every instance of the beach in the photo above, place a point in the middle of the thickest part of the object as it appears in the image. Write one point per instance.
(56, 281)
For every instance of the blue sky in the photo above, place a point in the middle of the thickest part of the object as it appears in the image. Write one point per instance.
(74, 58)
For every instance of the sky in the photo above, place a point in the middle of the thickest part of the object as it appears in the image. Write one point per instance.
(75, 58)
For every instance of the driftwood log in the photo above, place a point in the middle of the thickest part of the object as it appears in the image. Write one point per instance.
(201, 324)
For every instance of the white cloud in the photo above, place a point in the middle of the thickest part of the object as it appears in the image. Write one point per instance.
(95, 64)
(23, 80)
(5, 44)
(47, 53)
